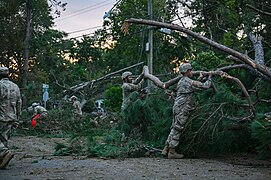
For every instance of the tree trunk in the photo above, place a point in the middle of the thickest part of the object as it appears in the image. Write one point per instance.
(258, 48)
(26, 45)
(89, 83)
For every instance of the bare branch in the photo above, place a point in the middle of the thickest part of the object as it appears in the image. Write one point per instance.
(56, 81)
(258, 10)
(151, 77)
(90, 83)
(236, 80)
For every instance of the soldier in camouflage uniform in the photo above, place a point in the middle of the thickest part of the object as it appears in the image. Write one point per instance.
(183, 105)
(10, 109)
(129, 86)
(39, 112)
(77, 106)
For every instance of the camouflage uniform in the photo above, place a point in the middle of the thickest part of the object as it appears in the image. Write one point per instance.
(77, 106)
(40, 110)
(128, 88)
(10, 109)
(184, 103)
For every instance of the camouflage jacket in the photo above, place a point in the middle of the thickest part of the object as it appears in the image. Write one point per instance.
(10, 100)
(127, 89)
(39, 110)
(77, 108)
(185, 94)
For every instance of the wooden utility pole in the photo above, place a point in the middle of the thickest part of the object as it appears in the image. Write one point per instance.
(149, 45)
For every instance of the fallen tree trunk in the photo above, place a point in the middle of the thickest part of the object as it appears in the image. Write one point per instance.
(80, 86)
(244, 58)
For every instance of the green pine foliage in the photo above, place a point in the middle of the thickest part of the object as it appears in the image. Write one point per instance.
(148, 119)
(261, 131)
(113, 97)
(206, 61)
(211, 128)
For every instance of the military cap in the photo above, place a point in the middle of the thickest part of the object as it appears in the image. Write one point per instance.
(73, 98)
(35, 104)
(126, 74)
(184, 67)
(4, 70)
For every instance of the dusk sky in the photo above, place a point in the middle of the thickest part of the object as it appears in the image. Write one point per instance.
(83, 14)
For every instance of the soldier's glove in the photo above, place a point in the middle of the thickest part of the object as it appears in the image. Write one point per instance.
(15, 124)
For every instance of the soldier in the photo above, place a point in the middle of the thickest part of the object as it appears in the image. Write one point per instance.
(10, 109)
(39, 112)
(183, 105)
(129, 86)
(77, 106)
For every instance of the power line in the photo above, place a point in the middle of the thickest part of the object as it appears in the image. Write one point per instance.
(81, 35)
(108, 13)
(90, 27)
(85, 11)
(130, 34)
(84, 29)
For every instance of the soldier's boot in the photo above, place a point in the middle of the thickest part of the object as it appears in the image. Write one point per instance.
(7, 157)
(165, 150)
(173, 155)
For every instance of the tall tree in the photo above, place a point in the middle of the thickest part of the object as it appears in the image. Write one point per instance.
(36, 11)
(123, 50)
(26, 42)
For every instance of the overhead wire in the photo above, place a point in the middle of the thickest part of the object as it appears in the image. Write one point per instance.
(101, 26)
(85, 11)
(95, 27)
(81, 35)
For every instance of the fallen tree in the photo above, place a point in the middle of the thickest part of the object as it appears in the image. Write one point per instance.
(264, 70)
(72, 90)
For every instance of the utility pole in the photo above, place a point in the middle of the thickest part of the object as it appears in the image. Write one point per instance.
(149, 45)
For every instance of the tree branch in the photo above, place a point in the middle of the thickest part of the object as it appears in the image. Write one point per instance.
(222, 74)
(258, 10)
(244, 58)
(90, 83)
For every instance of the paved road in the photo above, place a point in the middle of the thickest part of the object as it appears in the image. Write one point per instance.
(34, 161)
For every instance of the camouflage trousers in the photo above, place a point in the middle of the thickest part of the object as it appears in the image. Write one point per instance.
(5, 128)
(177, 126)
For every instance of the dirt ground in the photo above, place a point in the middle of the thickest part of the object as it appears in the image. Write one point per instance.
(34, 160)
